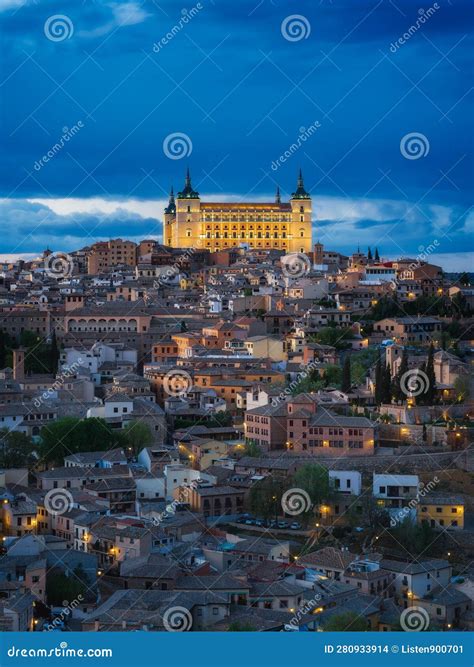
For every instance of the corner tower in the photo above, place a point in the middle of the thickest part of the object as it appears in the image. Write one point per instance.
(188, 217)
(169, 220)
(301, 225)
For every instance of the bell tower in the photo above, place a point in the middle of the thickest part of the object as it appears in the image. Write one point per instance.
(188, 217)
(170, 220)
(301, 224)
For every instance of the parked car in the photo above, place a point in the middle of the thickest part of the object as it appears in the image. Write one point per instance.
(295, 525)
(249, 522)
(282, 524)
(260, 523)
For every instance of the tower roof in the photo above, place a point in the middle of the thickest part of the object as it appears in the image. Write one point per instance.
(187, 192)
(300, 192)
(171, 208)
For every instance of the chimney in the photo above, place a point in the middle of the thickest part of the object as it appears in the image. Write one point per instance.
(19, 364)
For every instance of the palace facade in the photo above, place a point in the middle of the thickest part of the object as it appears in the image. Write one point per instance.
(192, 223)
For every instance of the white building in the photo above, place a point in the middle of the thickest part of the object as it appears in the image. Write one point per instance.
(346, 481)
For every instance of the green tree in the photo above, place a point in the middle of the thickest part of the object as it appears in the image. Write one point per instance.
(60, 587)
(397, 381)
(378, 381)
(346, 621)
(314, 479)
(346, 383)
(333, 376)
(386, 385)
(252, 449)
(369, 254)
(265, 498)
(418, 537)
(462, 386)
(335, 336)
(71, 435)
(136, 436)
(430, 395)
(16, 450)
(54, 354)
(377, 256)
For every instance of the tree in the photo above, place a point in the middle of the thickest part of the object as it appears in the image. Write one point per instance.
(137, 435)
(54, 354)
(333, 376)
(314, 479)
(71, 435)
(346, 383)
(377, 256)
(462, 387)
(252, 449)
(265, 498)
(397, 382)
(16, 450)
(378, 381)
(347, 621)
(386, 385)
(334, 336)
(369, 254)
(419, 538)
(60, 587)
(424, 433)
(430, 394)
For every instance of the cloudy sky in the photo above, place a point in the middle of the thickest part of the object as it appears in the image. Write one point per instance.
(338, 87)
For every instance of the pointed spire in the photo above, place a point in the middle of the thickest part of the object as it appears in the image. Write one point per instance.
(171, 208)
(277, 196)
(188, 192)
(300, 191)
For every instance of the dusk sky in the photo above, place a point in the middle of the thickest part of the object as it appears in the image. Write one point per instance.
(242, 81)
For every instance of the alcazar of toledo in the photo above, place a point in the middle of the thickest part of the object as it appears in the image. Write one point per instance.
(192, 223)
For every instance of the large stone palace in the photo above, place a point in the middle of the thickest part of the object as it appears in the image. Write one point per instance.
(192, 223)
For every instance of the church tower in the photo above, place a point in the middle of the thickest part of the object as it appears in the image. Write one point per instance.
(169, 221)
(301, 225)
(188, 217)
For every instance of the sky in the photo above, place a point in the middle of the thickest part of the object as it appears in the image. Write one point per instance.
(373, 100)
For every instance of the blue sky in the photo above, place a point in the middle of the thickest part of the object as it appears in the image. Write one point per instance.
(242, 90)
